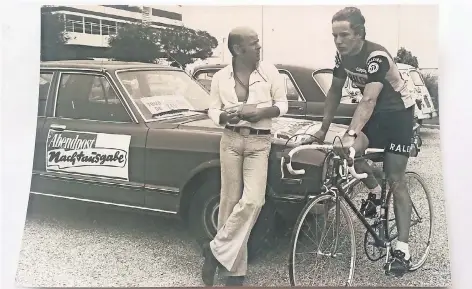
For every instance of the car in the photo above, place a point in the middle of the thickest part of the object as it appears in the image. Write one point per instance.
(308, 86)
(416, 85)
(138, 136)
(424, 108)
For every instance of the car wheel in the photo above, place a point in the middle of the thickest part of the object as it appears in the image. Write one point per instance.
(203, 219)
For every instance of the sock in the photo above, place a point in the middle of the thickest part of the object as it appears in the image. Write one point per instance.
(404, 248)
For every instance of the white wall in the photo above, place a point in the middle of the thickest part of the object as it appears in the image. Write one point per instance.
(88, 39)
(302, 34)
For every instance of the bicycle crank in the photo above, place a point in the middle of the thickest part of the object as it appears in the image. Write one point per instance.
(372, 250)
(329, 254)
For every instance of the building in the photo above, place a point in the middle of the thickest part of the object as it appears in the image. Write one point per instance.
(90, 26)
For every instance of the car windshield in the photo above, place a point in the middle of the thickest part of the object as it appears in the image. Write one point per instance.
(158, 91)
(324, 79)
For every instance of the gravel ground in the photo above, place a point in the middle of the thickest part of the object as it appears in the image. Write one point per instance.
(69, 244)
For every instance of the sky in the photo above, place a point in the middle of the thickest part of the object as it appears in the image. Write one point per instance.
(302, 34)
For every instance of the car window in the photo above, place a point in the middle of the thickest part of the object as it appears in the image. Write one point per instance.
(416, 78)
(292, 93)
(159, 91)
(208, 75)
(205, 77)
(45, 80)
(89, 96)
(350, 92)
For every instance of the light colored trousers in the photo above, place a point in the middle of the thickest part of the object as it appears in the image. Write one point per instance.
(244, 164)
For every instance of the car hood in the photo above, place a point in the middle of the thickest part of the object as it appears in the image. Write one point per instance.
(283, 128)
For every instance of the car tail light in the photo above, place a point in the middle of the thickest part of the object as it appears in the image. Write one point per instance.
(419, 103)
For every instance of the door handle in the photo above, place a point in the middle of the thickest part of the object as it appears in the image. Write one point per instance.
(58, 126)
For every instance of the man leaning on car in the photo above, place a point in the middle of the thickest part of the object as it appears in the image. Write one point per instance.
(245, 96)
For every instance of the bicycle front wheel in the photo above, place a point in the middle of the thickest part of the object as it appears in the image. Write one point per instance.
(323, 253)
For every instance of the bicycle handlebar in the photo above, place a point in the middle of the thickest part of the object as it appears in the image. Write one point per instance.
(350, 168)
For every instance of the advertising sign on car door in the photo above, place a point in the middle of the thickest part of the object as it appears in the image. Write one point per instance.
(96, 154)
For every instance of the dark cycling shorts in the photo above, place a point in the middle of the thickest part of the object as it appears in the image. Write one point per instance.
(392, 131)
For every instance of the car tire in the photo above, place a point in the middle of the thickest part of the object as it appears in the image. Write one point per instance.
(203, 219)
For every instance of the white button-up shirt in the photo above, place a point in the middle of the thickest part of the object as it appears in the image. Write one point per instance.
(266, 88)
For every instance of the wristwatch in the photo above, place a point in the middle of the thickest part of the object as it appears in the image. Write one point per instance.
(352, 133)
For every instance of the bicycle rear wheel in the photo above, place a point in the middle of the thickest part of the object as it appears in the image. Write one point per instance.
(319, 214)
(422, 220)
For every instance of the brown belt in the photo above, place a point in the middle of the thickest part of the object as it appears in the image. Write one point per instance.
(248, 130)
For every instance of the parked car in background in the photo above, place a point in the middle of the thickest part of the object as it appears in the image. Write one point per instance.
(307, 88)
(138, 136)
(424, 105)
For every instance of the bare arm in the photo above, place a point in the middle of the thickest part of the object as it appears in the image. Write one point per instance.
(332, 101)
(366, 106)
(333, 97)
(269, 112)
(377, 68)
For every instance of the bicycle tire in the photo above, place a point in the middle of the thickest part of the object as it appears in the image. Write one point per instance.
(295, 235)
(416, 264)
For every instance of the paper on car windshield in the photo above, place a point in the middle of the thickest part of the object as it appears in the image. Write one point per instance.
(163, 103)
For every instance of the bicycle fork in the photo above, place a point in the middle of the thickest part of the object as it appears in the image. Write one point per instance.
(333, 252)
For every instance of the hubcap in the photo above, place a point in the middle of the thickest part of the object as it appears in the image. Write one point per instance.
(214, 216)
(211, 217)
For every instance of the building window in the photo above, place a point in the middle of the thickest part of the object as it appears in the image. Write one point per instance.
(166, 14)
(74, 23)
(120, 25)
(108, 27)
(92, 25)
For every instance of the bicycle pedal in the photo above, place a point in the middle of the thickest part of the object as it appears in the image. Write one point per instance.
(368, 209)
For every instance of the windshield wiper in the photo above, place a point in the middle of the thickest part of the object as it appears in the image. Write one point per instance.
(179, 110)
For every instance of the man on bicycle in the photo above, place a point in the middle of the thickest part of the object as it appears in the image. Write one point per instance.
(384, 116)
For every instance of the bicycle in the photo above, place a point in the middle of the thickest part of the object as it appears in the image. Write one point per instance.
(340, 178)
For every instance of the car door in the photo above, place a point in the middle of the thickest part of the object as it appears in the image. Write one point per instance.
(296, 102)
(45, 85)
(94, 148)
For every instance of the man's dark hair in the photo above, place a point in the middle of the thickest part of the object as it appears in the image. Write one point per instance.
(354, 16)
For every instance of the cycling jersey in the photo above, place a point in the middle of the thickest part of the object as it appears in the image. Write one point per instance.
(375, 64)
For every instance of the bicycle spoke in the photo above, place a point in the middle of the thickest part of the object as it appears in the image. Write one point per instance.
(325, 263)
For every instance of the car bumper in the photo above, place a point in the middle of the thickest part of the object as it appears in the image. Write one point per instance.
(427, 115)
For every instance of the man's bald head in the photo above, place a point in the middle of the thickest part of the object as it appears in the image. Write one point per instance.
(238, 35)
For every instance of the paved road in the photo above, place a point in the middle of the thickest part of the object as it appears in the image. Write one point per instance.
(68, 243)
